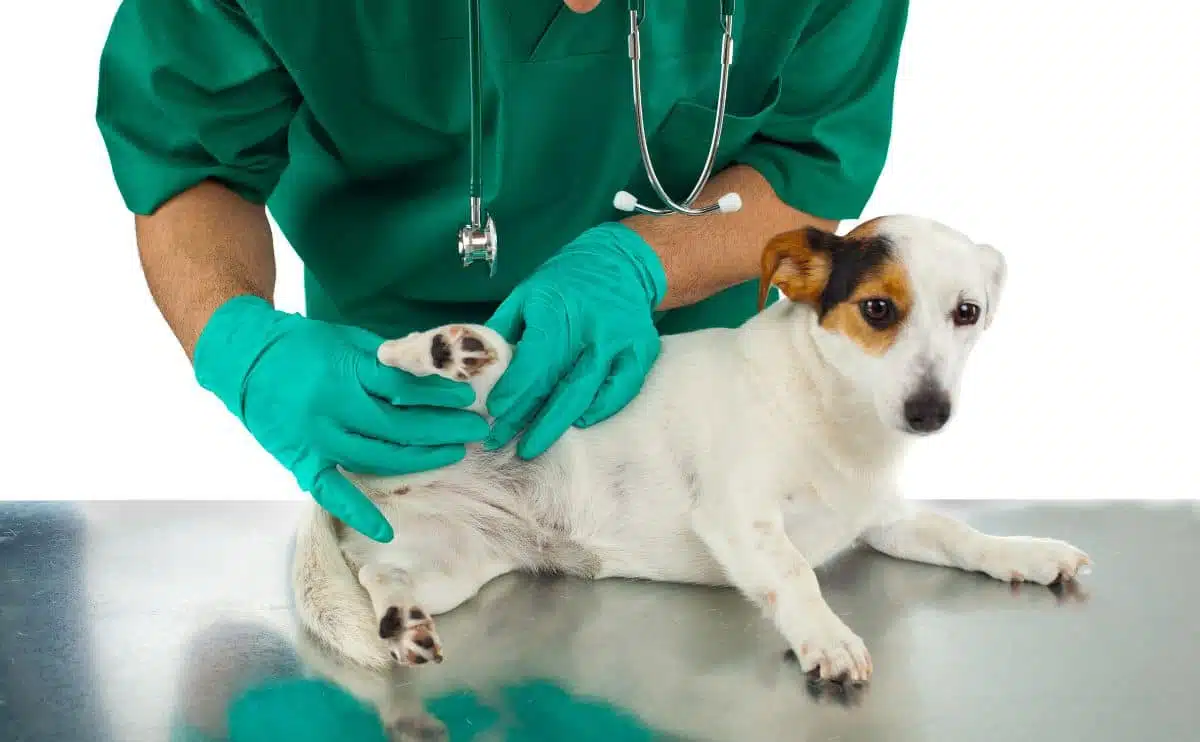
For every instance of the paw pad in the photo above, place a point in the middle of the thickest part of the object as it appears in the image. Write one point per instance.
(460, 352)
(410, 636)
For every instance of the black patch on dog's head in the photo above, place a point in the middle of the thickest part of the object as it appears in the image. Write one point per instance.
(851, 260)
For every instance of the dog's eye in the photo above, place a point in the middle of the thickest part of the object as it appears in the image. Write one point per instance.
(879, 313)
(966, 313)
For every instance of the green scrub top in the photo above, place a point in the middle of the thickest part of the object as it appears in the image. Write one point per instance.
(349, 119)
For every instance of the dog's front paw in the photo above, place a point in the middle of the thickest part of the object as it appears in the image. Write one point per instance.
(827, 649)
(410, 635)
(1025, 559)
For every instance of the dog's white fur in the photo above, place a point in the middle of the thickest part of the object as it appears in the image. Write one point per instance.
(749, 457)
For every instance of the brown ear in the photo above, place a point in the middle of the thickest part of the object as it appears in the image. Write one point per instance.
(798, 263)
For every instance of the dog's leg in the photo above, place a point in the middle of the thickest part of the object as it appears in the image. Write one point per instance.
(932, 538)
(762, 562)
(407, 589)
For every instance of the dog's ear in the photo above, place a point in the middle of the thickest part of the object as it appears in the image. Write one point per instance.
(995, 272)
(798, 263)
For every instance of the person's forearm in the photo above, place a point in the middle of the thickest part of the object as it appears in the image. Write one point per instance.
(199, 250)
(703, 255)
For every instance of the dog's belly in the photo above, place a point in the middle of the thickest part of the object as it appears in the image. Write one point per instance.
(634, 518)
(675, 556)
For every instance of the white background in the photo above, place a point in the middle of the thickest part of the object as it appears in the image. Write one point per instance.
(1064, 133)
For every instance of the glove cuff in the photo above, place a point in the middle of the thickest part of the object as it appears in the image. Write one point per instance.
(237, 334)
(641, 257)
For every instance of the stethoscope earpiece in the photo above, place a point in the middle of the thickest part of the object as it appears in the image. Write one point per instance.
(626, 201)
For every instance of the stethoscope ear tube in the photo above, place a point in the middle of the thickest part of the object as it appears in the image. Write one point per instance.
(625, 201)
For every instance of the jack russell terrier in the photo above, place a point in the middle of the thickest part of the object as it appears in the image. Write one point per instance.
(751, 456)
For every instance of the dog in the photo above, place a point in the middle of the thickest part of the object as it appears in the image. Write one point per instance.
(751, 456)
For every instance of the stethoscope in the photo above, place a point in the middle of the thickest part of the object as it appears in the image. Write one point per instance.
(477, 240)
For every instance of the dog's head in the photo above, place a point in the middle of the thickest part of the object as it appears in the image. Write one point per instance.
(897, 304)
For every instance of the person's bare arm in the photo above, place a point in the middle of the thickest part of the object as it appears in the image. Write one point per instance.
(200, 249)
(704, 255)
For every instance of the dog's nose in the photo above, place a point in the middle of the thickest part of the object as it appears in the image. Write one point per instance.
(927, 411)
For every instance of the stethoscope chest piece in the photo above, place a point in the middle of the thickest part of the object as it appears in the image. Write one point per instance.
(476, 243)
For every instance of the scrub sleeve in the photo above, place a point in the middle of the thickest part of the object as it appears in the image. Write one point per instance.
(172, 117)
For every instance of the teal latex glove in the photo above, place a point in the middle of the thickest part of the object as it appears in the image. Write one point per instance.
(583, 326)
(314, 396)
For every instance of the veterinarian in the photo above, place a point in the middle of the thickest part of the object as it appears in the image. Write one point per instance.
(351, 121)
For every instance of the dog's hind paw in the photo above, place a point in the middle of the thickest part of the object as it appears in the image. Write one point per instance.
(459, 352)
(410, 635)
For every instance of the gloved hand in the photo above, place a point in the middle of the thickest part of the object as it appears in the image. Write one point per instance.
(314, 396)
(585, 338)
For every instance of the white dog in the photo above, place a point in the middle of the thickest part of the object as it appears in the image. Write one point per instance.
(750, 456)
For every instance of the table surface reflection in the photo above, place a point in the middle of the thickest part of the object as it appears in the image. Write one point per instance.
(140, 621)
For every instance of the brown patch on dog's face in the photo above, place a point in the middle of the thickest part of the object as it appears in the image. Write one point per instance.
(855, 283)
(886, 284)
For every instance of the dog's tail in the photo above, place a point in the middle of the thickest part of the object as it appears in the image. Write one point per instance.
(330, 603)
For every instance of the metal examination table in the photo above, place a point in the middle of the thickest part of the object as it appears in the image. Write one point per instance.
(139, 622)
